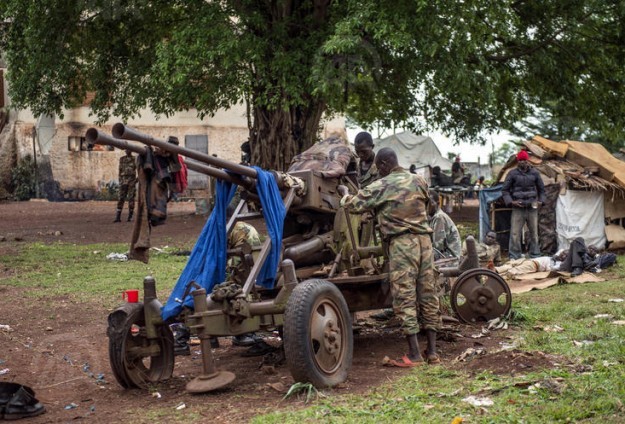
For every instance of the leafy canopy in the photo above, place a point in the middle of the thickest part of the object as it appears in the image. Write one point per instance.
(462, 67)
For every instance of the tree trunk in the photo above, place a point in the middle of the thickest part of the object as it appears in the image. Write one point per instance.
(278, 135)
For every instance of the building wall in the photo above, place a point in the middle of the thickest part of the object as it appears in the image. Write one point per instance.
(89, 170)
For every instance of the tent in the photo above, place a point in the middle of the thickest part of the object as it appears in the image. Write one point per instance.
(585, 188)
(412, 149)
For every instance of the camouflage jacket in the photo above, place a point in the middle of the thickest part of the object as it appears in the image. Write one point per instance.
(243, 233)
(368, 177)
(445, 236)
(399, 201)
(127, 169)
(240, 234)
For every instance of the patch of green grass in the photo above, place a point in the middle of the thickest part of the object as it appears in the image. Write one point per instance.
(83, 272)
(468, 229)
(587, 384)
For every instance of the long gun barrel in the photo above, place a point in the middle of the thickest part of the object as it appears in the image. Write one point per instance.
(97, 137)
(124, 132)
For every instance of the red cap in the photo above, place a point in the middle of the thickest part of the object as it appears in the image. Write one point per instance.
(522, 155)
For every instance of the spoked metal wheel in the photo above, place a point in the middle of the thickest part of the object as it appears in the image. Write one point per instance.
(318, 339)
(480, 295)
(134, 360)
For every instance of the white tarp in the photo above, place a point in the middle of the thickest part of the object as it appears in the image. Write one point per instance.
(412, 149)
(580, 214)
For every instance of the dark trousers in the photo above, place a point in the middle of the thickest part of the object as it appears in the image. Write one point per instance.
(521, 216)
(127, 192)
(577, 257)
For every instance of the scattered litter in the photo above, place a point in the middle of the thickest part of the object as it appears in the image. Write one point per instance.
(96, 252)
(497, 324)
(6, 328)
(454, 393)
(278, 387)
(618, 322)
(478, 401)
(508, 346)
(552, 385)
(49, 329)
(156, 395)
(583, 343)
(617, 300)
(553, 329)
(67, 359)
(4, 371)
(604, 316)
(71, 406)
(428, 406)
(92, 409)
(609, 364)
(117, 257)
(469, 354)
(180, 406)
(485, 332)
(457, 420)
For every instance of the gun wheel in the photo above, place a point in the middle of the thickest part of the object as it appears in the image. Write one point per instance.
(480, 295)
(134, 361)
(318, 339)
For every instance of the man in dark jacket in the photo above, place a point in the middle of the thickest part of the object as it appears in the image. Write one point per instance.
(524, 191)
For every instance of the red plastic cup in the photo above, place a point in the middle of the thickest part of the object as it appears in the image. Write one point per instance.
(131, 296)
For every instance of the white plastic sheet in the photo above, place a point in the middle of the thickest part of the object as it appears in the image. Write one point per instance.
(580, 214)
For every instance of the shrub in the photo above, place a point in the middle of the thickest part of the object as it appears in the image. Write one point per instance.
(23, 178)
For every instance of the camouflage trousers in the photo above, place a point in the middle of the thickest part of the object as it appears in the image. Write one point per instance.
(127, 192)
(413, 283)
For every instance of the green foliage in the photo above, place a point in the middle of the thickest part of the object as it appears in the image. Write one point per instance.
(461, 67)
(23, 179)
(503, 153)
(305, 389)
(110, 191)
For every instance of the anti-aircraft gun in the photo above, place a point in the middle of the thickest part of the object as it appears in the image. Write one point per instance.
(330, 265)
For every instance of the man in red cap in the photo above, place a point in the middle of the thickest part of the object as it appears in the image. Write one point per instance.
(524, 191)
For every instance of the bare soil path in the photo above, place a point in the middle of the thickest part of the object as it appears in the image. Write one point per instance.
(64, 358)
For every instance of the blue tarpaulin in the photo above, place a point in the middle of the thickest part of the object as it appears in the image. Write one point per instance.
(486, 196)
(207, 262)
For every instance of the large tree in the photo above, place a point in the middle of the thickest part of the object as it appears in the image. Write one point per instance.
(462, 67)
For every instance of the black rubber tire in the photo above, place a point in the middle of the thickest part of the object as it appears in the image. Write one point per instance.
(309, 318)
(130, 373)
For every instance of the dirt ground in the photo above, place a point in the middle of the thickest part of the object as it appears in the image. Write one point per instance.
(65, 359)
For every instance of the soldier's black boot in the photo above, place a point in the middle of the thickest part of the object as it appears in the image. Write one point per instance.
(130, 214)
(118, 216)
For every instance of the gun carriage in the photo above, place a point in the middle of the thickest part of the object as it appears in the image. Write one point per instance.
(331, 265)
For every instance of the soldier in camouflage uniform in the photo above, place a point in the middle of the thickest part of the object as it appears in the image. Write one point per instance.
(127, 183)
(487, 251)
(400, 200)
(367, 170)
(242, 233)
(445, 236)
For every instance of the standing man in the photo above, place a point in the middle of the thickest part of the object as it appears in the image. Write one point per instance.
(524, 191)
(457, 171)
(399, 200)
(445, 236)
(367, 170)
(127, 182)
